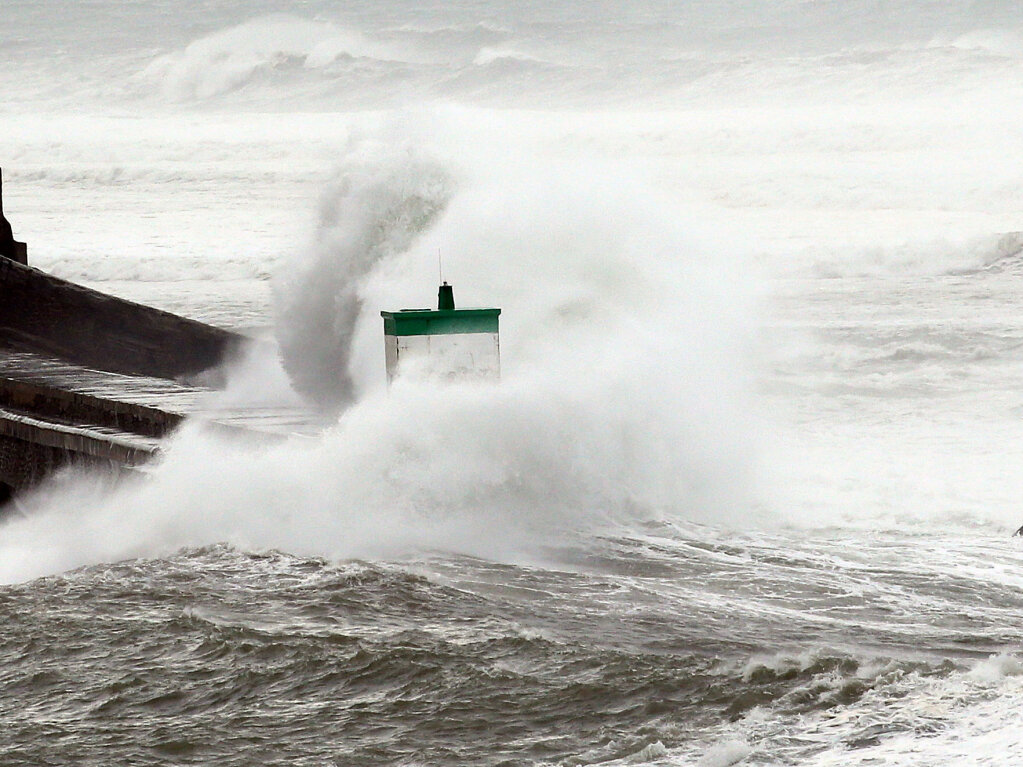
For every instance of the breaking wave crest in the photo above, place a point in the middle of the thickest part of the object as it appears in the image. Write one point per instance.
(273, 44)
(379, 203)
(934, 257)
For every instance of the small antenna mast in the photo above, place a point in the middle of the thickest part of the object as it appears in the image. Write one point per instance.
(440, 267)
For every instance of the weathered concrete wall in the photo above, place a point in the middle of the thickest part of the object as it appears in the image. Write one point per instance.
(23, 464)
(31, 450)
(126, 449)
(43, 426)
(75, 407)
(43, 429)
(48, 315)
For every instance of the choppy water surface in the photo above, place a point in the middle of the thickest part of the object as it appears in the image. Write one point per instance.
(641, 650)
(745, 492)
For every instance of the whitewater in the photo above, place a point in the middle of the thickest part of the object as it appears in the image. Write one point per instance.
(746, 490)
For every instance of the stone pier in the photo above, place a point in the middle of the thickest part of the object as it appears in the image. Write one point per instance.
(92, 380)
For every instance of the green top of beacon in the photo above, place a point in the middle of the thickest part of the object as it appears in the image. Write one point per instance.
(450, 342)
(445, 319)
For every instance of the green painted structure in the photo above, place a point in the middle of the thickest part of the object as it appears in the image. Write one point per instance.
(428, 322)
(447, 341)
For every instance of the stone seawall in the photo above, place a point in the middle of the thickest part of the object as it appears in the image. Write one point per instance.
(35, 443)
(47, 315)
(74, 407)
(92, 380)
(60, 343)
(24, 463)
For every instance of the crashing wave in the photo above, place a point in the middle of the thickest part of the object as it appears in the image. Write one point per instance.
(232, 58)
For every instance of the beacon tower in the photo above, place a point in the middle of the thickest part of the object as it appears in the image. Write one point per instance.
(444, 342)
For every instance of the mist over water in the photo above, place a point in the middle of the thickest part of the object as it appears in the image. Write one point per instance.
(626, 396)
(744, 491)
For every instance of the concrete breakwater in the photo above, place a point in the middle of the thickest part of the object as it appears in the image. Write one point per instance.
(48, 420)
(44, 314)
(94, 380)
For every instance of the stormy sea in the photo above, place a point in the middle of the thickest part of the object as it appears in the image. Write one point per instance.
(745, 492)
